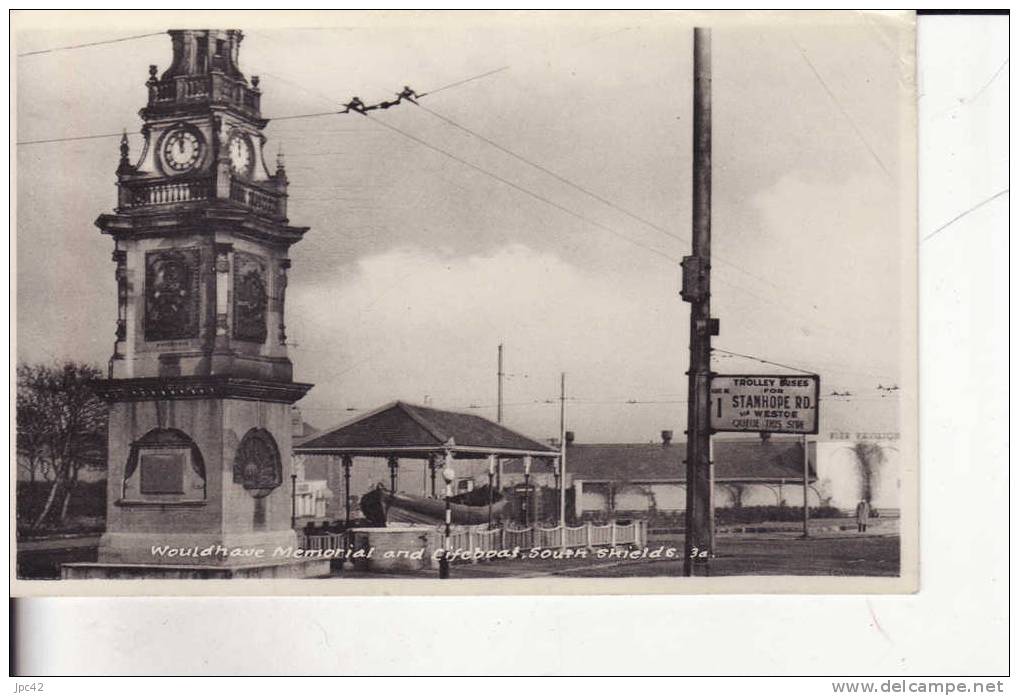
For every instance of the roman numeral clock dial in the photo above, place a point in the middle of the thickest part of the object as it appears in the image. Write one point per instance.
(182, 150)
(240, 150)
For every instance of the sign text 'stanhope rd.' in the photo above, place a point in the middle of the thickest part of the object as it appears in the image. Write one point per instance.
(765, 403)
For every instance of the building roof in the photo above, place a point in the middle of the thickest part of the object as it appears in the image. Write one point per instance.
(735, 461)
(407, 430)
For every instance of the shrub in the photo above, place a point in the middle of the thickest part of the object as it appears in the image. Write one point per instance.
(771, 513)
(87, 501)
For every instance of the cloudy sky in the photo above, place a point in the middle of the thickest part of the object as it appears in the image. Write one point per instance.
(418, 265)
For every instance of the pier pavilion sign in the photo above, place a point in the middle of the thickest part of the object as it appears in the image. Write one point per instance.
(765, 403)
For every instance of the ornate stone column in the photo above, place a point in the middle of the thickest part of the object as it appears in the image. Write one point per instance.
(281, 299)
(223, 252)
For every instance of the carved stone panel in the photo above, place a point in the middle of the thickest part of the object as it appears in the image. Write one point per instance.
(257, 464)
(172, 298)
(251, 297)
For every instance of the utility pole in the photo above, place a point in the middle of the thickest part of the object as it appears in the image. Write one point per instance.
(697, 291)
(806, 476)
(498, 408)
(562, 459)
(498, 419)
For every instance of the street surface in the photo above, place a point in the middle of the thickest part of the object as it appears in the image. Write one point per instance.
(874, 554)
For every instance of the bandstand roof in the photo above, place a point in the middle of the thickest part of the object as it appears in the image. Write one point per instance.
(410, 431)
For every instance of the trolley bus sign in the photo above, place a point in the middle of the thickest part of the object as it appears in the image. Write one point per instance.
(765, 403)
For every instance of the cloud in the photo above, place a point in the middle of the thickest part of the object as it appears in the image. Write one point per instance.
(409, 323)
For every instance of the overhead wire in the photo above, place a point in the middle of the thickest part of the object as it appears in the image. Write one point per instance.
(715, 349)
(521, 189)
(90, 44)
(842, 109)
(492, 175)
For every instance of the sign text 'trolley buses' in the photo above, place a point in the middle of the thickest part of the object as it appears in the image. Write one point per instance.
(765, 403)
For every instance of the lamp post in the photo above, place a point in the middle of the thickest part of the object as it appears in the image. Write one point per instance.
(448, 476)
(347, 462)
(491, 475)
(527, 491)
(394, 464)
(293, 501)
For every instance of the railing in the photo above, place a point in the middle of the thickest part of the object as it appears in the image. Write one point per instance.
(322, 542)
(213, 87)
(157, 193)
(587, 535)
(601, 535)
(137, 194)
(260, 200)
(164, 92)
(481, 538)
(576, 536)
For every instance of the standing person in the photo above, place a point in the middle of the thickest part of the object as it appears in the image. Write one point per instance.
(862, 514)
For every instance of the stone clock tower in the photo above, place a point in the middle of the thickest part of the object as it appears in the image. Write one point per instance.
(200, 386)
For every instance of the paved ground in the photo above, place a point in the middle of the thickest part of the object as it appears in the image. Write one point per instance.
(843, 554)
(875, 553)
(757, 554)
(67, 542)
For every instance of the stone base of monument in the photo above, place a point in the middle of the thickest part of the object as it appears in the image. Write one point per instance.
(292, 569)
(395, 548)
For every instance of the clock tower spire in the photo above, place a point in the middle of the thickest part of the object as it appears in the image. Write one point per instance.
(200, 385)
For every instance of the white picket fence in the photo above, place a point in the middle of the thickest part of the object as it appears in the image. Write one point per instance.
(479, 537)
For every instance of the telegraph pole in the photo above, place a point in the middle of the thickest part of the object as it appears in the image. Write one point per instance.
(697, 291)
(562, 459)
(498, 408)
(498, 419)
(806, 488)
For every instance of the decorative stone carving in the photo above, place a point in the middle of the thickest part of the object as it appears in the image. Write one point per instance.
(192, 387)
(120, 258)
(284, 267)
(223, 257)
(251, 297)
(257, 464)
(171, 294)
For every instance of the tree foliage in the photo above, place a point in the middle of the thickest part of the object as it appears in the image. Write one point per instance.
(61, 429)
(869, 457)
(736, 492)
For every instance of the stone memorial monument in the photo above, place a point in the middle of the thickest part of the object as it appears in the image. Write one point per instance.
(200, 386)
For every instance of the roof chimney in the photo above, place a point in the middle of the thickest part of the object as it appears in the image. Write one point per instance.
(569, 437)
(666, 437)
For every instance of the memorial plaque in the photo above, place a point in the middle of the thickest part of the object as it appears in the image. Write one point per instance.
(162, 473)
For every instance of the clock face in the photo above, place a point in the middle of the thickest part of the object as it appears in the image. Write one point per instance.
(182, 150)
(240, 154)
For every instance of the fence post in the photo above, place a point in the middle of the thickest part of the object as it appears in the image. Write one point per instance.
(587, 532)
(612, 530)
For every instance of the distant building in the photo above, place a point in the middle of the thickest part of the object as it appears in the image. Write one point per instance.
(629, 478)
(641, 478)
